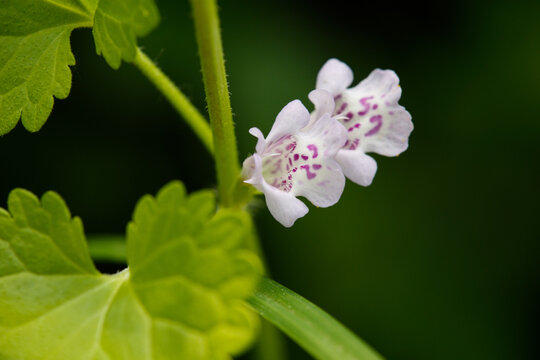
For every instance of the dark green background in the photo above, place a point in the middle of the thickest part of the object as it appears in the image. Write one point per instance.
(438, 259)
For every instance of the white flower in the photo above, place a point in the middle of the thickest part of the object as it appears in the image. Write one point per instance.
(297, 161)
(370, 112)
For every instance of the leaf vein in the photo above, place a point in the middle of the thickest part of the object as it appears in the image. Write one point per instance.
(59, 306)
(66, 7)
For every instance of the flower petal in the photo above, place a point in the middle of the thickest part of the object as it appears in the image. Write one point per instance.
(393, 137)
(334, 77)
(327, 133)
(357, 166)
(318, 177)
(323, 101)
(293, 117)
(374, 120)
(283, 206)
(326, 188)
(252, 171)
(261, 143)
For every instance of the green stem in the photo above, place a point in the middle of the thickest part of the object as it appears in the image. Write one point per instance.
(107, 247)
(208, 35)
(317, 332)
(178, 100)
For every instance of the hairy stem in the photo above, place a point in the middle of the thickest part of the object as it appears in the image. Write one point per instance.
(208, 35)
(177, 99)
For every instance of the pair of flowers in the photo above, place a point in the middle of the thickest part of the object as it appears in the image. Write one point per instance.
(310, 155)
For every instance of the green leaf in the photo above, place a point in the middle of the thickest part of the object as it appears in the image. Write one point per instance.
(35, 56)
(43, 238)
(182, 297)
(108, 248)
(308, 325)
(117, 25)
(35, 51)
(191, 270)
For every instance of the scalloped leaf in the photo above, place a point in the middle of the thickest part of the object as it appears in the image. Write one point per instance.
(35, 56)
(35, 50)
(117, 25)
(182, 297)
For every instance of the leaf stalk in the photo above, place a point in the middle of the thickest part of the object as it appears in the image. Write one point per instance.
(208, 34)
(178, 100)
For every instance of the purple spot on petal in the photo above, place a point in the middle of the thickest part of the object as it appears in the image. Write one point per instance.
(313, 148)
(305, 157)
(348, 116)
(365, 103)
(355, 126)
(309, 174)
(296, 157)
(375, 107)
(377, 119)
(391, 113)
(316, 166)
(352, 145)
(341, 108)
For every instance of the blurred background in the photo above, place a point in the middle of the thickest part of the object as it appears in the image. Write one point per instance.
(438, 259)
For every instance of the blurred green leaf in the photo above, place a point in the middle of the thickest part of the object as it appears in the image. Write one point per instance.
(35, 50)
(316, 331)
(190, 272)
(35, 55)
(42, 238)
(117, 25)
(110, 248)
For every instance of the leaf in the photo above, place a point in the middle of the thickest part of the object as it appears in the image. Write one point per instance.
(35, 57)
(191, 269)
(308, 325)
(35, 51)
(182, 297)
(117, 25)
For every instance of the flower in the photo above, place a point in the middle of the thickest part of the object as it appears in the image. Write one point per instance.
(297, 161)
(370, 112)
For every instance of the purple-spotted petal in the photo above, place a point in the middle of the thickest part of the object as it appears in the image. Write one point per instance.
(393, 137)
(334, 77)
(328, 134)
(326, 187)
(297, 159)
(374, 120)
(323, 101)
(283, 206)
(293, 117)
(357, 166)
(318, 177)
